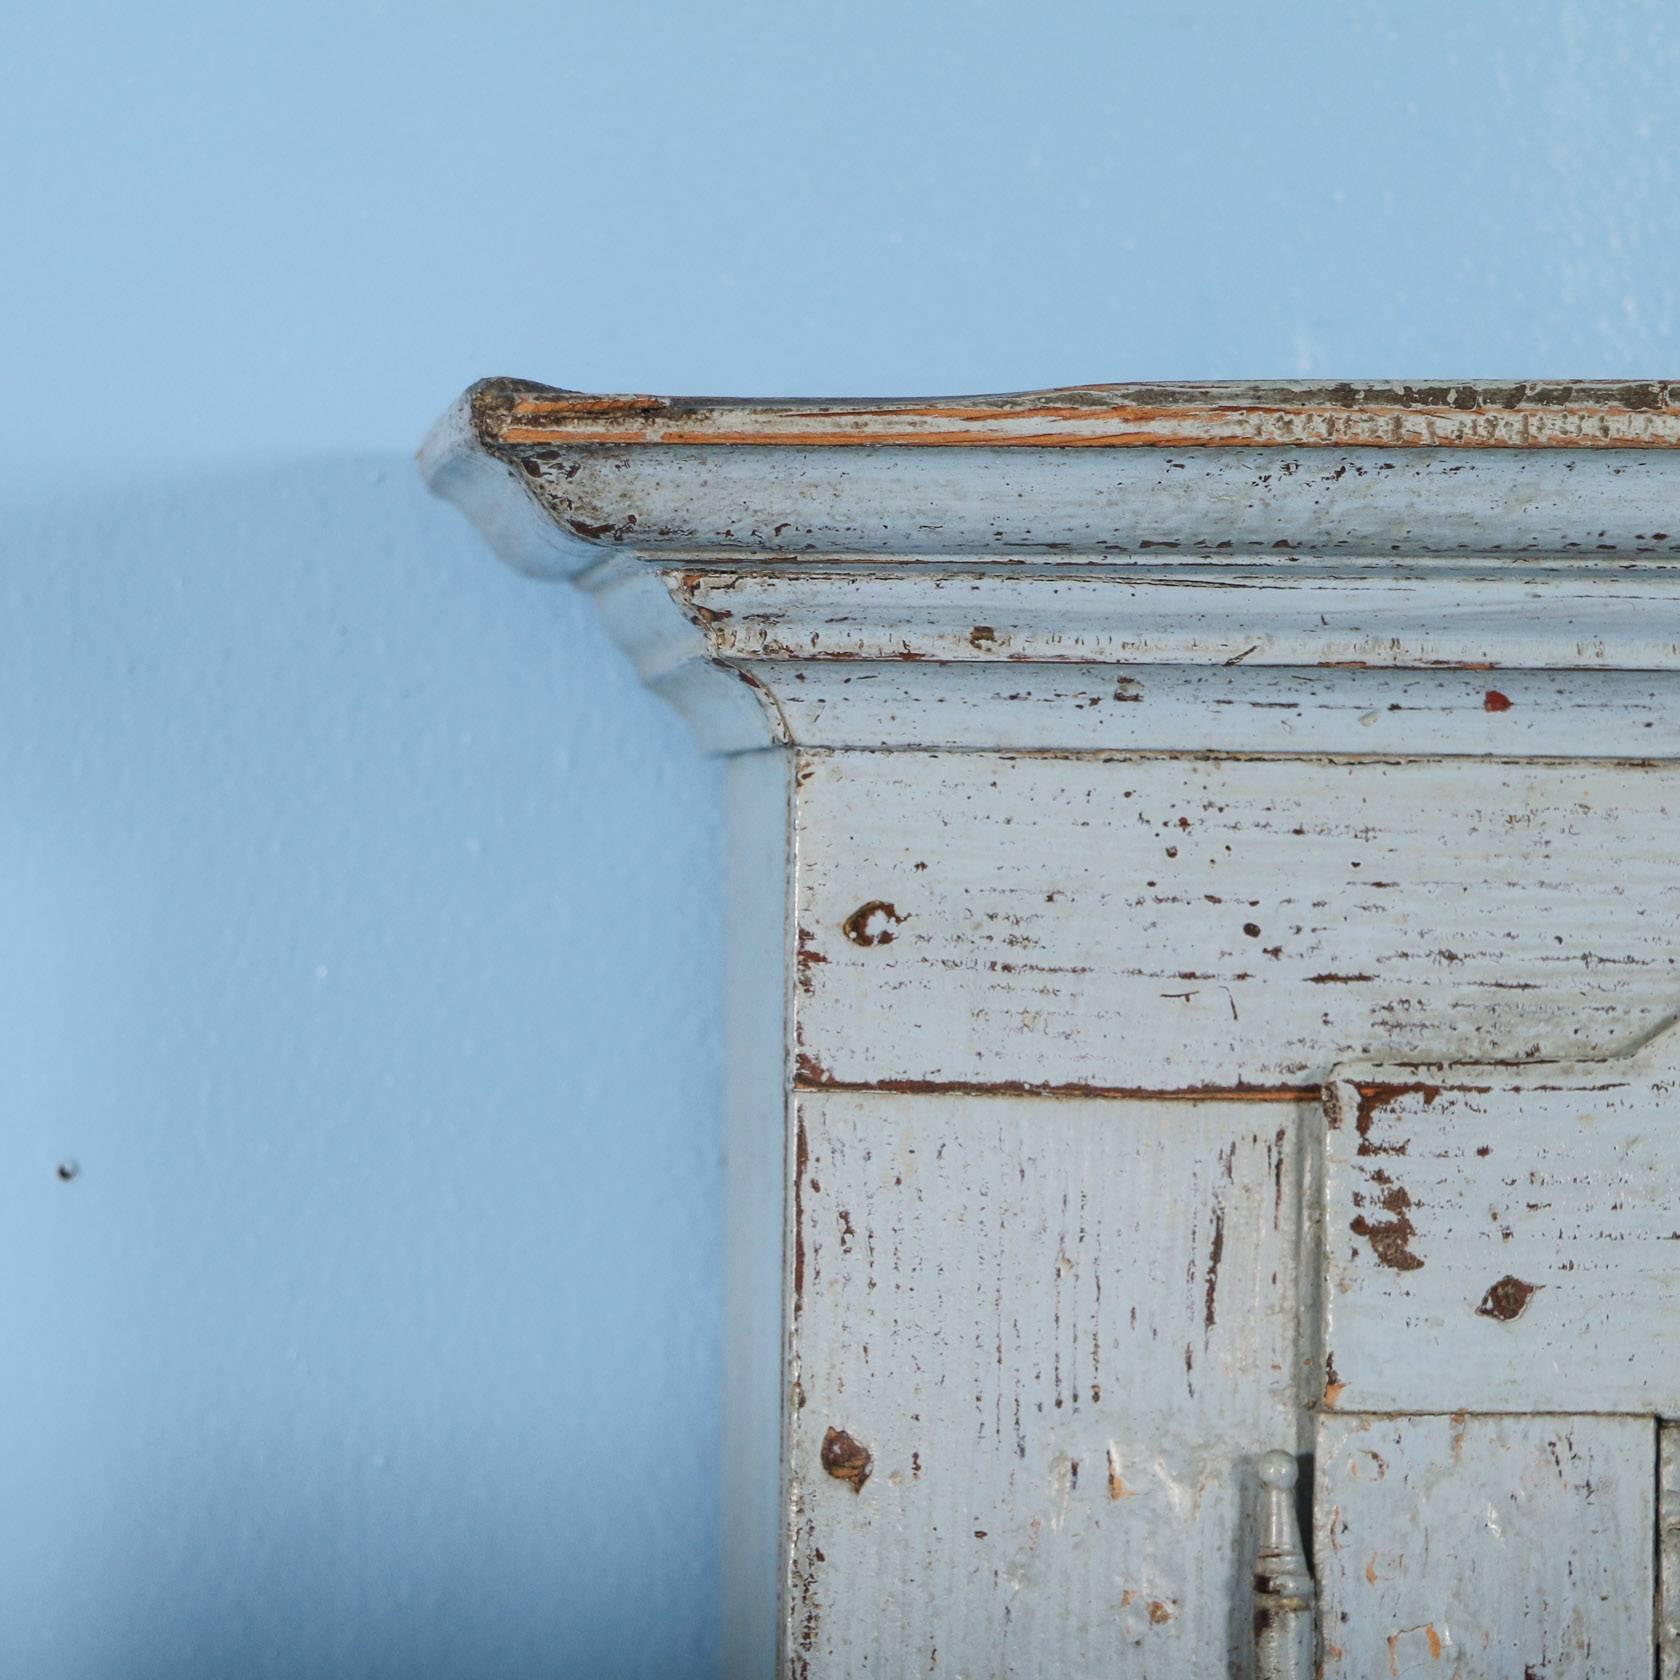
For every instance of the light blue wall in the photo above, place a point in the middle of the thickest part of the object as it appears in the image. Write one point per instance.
(358, 917)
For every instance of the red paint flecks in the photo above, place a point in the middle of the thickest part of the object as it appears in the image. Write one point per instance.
(1494, 701)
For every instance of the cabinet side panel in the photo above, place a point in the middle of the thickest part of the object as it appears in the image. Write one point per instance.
(755, 1181)
(1039, 1345)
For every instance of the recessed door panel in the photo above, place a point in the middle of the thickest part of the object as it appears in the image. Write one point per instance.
(1504, 1240)
(1039, 1347)
(1485, 1547)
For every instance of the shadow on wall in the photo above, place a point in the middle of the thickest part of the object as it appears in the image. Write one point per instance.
(358, 1181)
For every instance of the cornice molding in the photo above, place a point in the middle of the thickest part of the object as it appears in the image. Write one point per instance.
(1279, 414)
(1305, 551)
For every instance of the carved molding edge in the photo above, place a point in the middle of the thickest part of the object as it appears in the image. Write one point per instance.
(1248, 568)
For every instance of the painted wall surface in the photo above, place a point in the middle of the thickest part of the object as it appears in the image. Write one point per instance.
(358, 912)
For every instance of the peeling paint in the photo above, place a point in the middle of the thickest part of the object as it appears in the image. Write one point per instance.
(846, 1460)
(1559, 1240)
(1414, 1580)
(871, 924)
(1507, 1299)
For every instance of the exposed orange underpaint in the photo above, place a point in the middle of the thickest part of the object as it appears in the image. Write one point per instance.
(1603, 415)
(1640, 435)
(577, 403)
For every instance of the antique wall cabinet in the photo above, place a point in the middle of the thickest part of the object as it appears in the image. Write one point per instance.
(1204, 911)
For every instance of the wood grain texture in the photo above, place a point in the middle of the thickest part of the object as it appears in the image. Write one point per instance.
(1077, 507)
(1082, 924)
(1668, 1551)
(1034, 1347)
(1475, 1548)
(1038, 1347)
(1219, 708)
(1501, 1240)
(1366, 472)
(1277, 413)
(1552, 620)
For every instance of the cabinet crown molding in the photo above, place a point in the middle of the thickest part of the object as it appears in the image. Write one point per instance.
(1082, 536)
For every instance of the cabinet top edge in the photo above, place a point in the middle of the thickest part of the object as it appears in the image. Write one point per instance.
(1260, 414)
(1585, 469)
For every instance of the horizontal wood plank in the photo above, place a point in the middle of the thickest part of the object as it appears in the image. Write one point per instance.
(1549, 621)
(1220, 708)
(1141, 924)
(1668, 1550)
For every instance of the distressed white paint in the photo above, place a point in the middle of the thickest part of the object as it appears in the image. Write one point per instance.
(1202, 708)
(1503, 1240)
(1371, 482)
(1668, 1552)
(1109, 959)
(1063, 1331)
(726, 708)
(1476, 1548)
(756, 1171)
(1075, 504)
(1294, 413)
(1278, 657)
(1402, 557)
(1229, 615)
(1082, 921)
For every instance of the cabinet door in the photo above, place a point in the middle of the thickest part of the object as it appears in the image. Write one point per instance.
(1039, 1346)
(1499, 1285)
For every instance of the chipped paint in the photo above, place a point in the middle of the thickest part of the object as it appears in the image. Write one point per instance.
(1248, 612)
(1507, 1299)
(846, 1460)
(1072, 893)
(1492, 1546)
(1519, 1236)
(872, 923)
(1606, 414)
(1390, 1238)
(1163, 474)
(1107, 1222)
